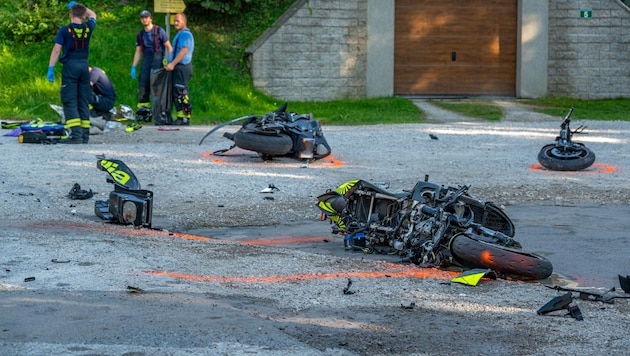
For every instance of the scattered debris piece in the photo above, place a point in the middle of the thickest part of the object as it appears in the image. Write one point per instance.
(29, 279)
(347, 290)
(433, 137)
(132, 289)
(591, 294)
(76, 193)
(270, 189)
(560, 303)
(54, 260)
(410, 306)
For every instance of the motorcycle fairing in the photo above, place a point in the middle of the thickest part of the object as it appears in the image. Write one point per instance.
(425, 192)
(330, 202)
(119, 172)
(127, 204)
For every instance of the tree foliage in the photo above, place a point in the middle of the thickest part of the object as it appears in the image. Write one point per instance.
(30, 21)
(230, 7)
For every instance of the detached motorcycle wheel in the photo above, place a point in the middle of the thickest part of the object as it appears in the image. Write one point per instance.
(516, 263)
(266, 145)
(557, 159)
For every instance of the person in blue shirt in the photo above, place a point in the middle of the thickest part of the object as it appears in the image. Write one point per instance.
(153, 47)
(180, 63)
(73, 42)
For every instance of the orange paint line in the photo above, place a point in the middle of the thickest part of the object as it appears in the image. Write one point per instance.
(596, 168)
(283, 240)
(329, 161)
(121, 230)
(417, 272)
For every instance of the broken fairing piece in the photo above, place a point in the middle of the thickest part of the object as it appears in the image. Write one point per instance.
(624, 282)
(473, 276)
(557, 303)
(76, 193)
(560, 303)
(575, 312)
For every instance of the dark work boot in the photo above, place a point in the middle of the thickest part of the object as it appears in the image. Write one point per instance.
(181, 121)
(76, 136)
(86, 135)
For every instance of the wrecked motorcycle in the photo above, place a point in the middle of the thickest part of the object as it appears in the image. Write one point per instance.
(566, 155)
(431, 226)
(278, 134)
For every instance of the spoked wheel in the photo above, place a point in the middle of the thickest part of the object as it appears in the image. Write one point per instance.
(576, 158)
(516, 263)
(267, 145)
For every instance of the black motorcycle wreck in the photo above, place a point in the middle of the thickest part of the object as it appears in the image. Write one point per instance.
(278, 134)
(565, 154)
(431, 226)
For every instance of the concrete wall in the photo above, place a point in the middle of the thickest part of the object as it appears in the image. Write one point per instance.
(316, 52)
(588, 57)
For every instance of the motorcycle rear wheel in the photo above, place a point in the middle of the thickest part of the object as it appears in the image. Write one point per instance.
(556, 159)
(512, 262)
(266, 145)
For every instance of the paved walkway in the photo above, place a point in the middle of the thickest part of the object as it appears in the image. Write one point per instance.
(514, 111)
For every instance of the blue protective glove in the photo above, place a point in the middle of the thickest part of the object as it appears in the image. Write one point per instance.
(133, 72)
(51, 74)
(71, 3)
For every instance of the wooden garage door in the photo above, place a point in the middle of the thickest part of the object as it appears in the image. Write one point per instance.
(455, 47)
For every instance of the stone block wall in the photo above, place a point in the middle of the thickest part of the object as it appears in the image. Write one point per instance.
(588, 57)
(317, 52)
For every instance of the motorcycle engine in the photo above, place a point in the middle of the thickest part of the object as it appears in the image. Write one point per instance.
(424, 228)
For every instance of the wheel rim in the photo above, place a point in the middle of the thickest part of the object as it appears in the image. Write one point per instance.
(567, 154)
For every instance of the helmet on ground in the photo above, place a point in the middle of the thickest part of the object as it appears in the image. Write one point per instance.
(144, 114)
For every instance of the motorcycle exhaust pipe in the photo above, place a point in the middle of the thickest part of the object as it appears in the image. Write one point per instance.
(308, 149)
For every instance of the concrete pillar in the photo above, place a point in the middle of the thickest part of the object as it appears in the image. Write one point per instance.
(532, 48)
(380, 48)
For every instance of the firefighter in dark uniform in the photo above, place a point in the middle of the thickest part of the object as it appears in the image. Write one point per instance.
(103, 95)
(74, 40)
(153, 47)
(180, 62)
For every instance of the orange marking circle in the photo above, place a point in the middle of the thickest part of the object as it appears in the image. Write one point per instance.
(596, 168)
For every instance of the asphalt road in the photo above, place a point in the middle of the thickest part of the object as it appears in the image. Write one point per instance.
(587, 245)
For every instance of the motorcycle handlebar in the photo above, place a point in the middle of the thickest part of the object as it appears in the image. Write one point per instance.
(489, 232)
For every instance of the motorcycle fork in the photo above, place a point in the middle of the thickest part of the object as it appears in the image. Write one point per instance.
(437, 238)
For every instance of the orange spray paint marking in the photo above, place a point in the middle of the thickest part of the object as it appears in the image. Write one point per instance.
(329, 161)
(414, 272)
(283, 240)
(596, 168)
(120, 230)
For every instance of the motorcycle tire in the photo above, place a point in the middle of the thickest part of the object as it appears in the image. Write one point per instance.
(266, 145)
(555, 159)
(504, 260)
